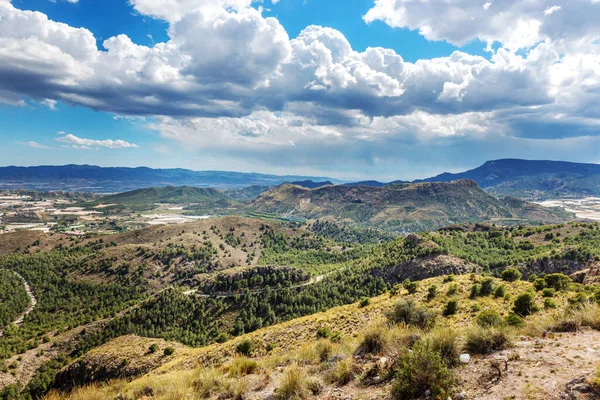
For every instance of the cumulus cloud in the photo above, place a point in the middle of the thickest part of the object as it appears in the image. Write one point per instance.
(513, 23)
(86, 144)
(246, 88)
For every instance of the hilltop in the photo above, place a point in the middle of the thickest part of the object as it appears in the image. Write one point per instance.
(167, 194)
(411, 207)
(532, 179)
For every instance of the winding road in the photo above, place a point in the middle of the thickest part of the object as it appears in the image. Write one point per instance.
(32, 302)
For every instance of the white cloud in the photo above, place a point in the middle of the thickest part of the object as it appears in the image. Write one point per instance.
(247, 88)
(551, 10)
(86, 144)
(513, 23)
(34, 145)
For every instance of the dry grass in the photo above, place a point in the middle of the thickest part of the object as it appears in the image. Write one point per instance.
(298, 352)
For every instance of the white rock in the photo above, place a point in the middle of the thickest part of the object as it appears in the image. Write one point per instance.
(465, 358)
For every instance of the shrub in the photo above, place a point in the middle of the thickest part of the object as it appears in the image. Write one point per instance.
(242, 366)
(411, 287)
(432, 292)
(499, 292)
(445, 342)
(365, 301)
(578, 298)
(513, 319)
(405, 311)
(475, 290)
(324, 350)
(549, 303)
(487, 286)
(548, 292)
(420, 370)
(557, 281)
(209, 382)
(342, 372)
(374, 342)
(511, 275)
(489, 318)
(451, 308)
(324, 333)
(168, 351)
(153, 348)
(292, 384)
(524, 305)
(245, 347)
(482, 340)
(448, 278)
(539, 284)
(452, 289)
(532, 277)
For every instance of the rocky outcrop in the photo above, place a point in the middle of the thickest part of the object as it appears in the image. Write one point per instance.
(427, 267)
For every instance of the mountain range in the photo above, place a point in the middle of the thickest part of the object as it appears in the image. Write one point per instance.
(91, 178)
(534, 180)
(527, 179)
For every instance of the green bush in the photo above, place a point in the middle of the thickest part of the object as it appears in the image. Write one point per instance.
(324, 333)
(539, 284)
(411, 287)
(487, 287)
(420, 370)
(499, 292)
(451, 308)
(557, 281)
(448, 278)
(453, 289)
(475, 290)
(432, 292)
(168, 351)
(511, 275)
(245, 347)
(365, 301)
(524, 305)
(489, 318)
(405, 311)
(578, 298)
(153, 348)
(513, 319)
(548, 292)
(549, 303)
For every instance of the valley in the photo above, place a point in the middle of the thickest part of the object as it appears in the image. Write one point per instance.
(162, 282)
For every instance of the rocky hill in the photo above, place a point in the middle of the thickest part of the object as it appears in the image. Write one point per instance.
(408, 207)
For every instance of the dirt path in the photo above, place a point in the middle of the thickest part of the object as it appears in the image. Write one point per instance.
(534, 369)
(311, 281)
(32, 302)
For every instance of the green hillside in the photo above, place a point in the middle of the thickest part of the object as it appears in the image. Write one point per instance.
(168, 194)
(405, 207)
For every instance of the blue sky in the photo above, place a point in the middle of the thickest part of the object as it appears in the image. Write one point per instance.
(385, 89)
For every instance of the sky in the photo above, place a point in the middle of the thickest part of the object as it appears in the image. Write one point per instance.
(350, 89)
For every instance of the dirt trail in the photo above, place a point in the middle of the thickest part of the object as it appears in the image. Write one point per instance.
(311, 281)
(32, 302)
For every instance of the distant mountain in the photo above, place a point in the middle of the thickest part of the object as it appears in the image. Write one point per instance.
(89, 178)
(373, 183)
(404, 207)
(311, 184)
(532, 179)
(168, 194)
